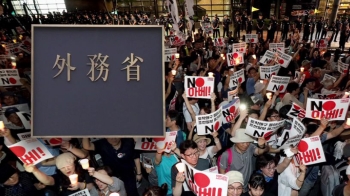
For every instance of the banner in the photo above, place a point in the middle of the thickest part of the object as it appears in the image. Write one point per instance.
(268, 57)
(172, 7)
(30, 151)
(9, 77)
(296, 112)
(328, 77)
(199, 87)
(230, 111)
(169, 54)
(267, 71)
(331, 109)
(342, 67)
(208, 123)
(84, 192)
(239, 47)
(234, 58)
(219, 42)
(236, 77)
(150, 144)
(24, 136)
(310, 151)
(276, 46)
(278, 83)
(251, 38)
(189, 13)
(258, 128)
(283, 59)
(205, 183)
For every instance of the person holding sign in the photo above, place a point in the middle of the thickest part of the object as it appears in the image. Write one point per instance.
(190, 153)
(163, 161)
(105, 182)
(244, 148)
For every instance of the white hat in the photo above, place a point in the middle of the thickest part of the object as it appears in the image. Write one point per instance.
(258, 87)
(241, 137)
(235, 176)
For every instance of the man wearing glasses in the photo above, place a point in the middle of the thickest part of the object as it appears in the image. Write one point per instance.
(190, 153)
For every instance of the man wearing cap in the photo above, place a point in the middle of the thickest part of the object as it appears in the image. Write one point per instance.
(235, 183)
(243, 154)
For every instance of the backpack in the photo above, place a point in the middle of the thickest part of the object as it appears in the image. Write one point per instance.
(229, 160)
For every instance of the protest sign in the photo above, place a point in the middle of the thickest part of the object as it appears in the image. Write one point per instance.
(25, 118)
(30, 151)
(283, 59)
(178, 39)
(298, 128)
(9, 77)
(169, 54)
(214, 170)
(278, 83)
(267, 71)
(219, 42)
(342, 67)
(208, 123)
(84, 192)
(236, 77)
(24, 136)
(276, 46)
(234, 59)
(296, 112)
(150, 144)
(268, 57)
(251, 38)
(285, 141)
(199, 87)
(232, 94)
(331, 109)
(58, 141)
(258, 128)
(207, 28)
(328, 77)
(230, 111)
(205, 183)
(239, 47)
(328, 96)
(147, 162)
(322, 44)
(310, 151)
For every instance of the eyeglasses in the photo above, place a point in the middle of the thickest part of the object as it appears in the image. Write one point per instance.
(192, 154)
(231, 188)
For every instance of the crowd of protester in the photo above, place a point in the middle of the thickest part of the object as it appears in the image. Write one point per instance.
(253, 166)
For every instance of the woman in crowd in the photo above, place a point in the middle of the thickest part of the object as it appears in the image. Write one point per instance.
(204, 151)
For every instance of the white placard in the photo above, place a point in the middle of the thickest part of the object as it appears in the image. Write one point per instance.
(342, 67)
(199, 87)
(211, 184)
(323, 44)
(234, 58)
(236, 77)
(298, 128)
(331, 109)
(258, 128)
(169, 54)
(30, 151)
(328, 77)
(296, 112)
(25, 118)
(310, 151)
(239, 47)
(276, 46)
(278, 83)
(208, 123)
(232, 94)
(150, 144)
(84, 192)
(285, 141)
(267, 71)
(230, 111)
(283, 59)
(9, 77)
(219, 42)
(251, 38)
(268, 57)
(328, 96)
(24, 136)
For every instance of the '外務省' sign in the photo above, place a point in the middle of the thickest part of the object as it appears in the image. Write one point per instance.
(97, 81)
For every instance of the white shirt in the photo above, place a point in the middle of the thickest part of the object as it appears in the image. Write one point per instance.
(187, 114)
(287, 180)
(208, 151)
